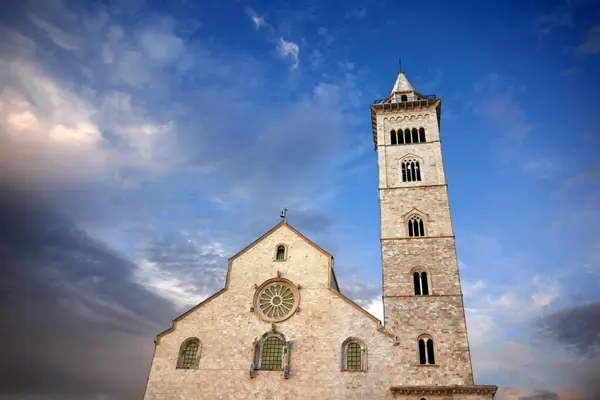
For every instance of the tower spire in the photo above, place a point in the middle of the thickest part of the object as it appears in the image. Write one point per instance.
(402, 83)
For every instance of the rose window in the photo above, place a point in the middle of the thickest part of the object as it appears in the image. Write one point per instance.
(276, 300)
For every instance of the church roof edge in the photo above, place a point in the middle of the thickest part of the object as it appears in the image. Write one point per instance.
(273, 229)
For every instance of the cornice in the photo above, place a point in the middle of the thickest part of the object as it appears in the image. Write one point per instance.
(445, 390)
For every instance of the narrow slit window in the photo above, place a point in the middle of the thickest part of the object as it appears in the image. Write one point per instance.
(422, 135)
(403, 172)
(280, 253)
(417, 282)
(400, 136)
(418, 171)
(422, 352)
(393, 137)
(430, 356)
(421, 284)
(415, 135)
(424, 284)
(407, 136)
(426, 351)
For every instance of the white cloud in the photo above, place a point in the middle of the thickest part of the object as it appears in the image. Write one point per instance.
(163, 47)
(256, 19)
(289, 50)
(591, 43)
(543, 166)
(57, 35)
(375, 308)
(176, 289)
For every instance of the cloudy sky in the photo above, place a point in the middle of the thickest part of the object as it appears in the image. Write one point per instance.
(143, 143)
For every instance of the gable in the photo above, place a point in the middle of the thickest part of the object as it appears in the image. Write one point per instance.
(304, 262)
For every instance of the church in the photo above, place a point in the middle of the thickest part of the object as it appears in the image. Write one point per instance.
(281, 328)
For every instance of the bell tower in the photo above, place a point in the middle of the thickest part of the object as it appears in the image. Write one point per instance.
(422, 296)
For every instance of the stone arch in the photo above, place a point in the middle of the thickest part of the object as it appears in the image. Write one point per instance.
(189, 353)
(415, 223)
(352, 348)
(416, 212)
(410, 167)
(421, 283)
(271, 353)
(426, 352)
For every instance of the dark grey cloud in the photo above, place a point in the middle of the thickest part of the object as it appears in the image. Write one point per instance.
(541, 395)
(577, 328)
(70, 309)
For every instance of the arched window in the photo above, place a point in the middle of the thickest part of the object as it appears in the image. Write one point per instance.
(393, 137)
(411, 171)
(403, 98)
(422, 135)
(354, 355)
(189, 354)
(407, 136)
(271, 353)
(415, 135)
(415, 227)
(426, 353)
(421, 284)
(280, 253)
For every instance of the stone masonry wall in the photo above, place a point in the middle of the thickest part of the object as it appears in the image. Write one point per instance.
(435, 256)
(441, 313)
(227, 328)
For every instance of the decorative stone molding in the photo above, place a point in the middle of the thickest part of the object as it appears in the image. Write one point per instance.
(444, 390)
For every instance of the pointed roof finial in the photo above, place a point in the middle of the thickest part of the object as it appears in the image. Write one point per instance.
(284, 214)
(402, 84)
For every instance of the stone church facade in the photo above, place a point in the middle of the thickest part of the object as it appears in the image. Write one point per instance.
(282, 329)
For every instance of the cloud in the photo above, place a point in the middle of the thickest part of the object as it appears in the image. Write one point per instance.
(289, 50)
(576, 327)
(183, 268)
(163, 47)
(560, 17)
(81, 292)
(257, 20)
(591, 43)
(502, 106)
(57, 35)
(138, 158)
(365, 294)
(542, 167)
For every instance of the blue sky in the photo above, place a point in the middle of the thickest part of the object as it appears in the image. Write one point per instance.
(145, 142)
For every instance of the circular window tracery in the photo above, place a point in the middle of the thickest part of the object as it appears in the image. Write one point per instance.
(276, 300)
